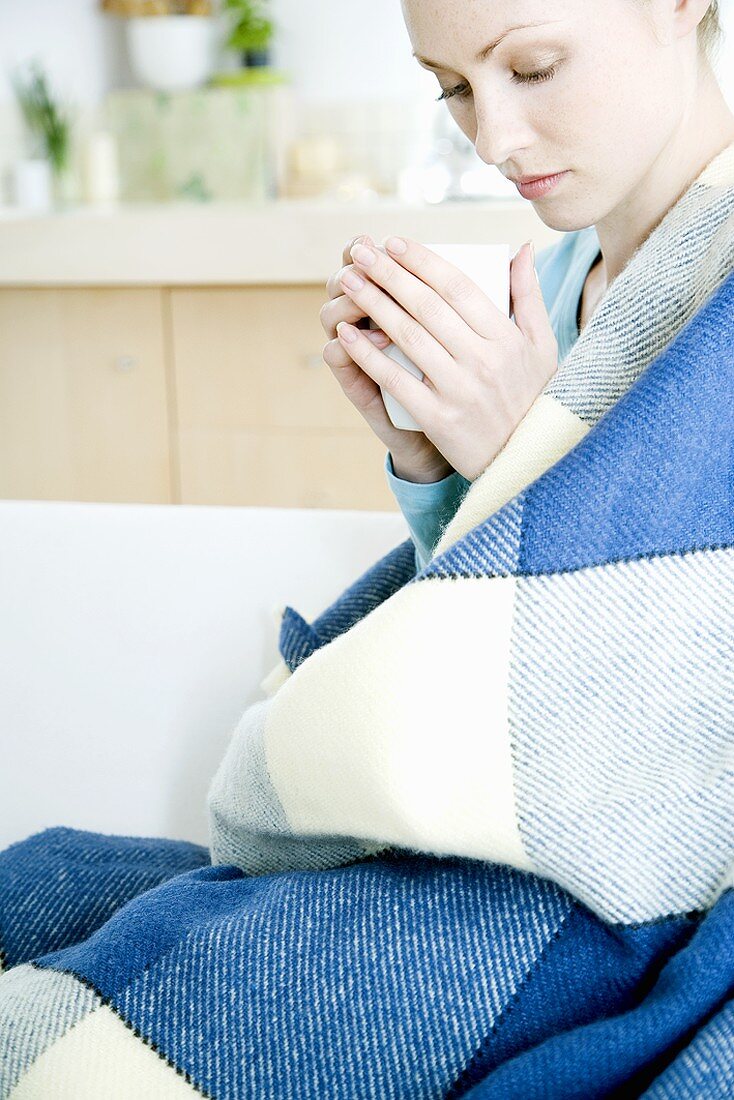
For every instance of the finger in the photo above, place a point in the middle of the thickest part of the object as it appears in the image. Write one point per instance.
(346, 257)
(335, 355)
(528, 304)
(453, 286)
(339, 309)
(332, 283)
(412, 394)
(358, 387)
(410, 335)
(453, 338)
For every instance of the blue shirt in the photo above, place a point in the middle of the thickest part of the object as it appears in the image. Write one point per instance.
(562, 269)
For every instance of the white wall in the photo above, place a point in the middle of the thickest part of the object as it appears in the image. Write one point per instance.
(76, 43)
(325, 54)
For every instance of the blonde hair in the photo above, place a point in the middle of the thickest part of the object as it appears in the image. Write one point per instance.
(710, 32)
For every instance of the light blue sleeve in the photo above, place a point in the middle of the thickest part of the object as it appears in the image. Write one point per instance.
(427, 507)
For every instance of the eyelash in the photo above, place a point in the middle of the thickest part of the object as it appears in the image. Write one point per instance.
(519, 78)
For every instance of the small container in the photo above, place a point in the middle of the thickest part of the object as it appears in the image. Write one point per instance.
(314, 164)
(100, 169)
(33, 184)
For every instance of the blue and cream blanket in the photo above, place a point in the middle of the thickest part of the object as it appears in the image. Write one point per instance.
(478, 837)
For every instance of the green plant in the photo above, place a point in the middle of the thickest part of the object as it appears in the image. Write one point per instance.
(48, 124)
(251, 29)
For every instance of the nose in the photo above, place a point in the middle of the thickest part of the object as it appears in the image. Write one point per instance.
(500, 134)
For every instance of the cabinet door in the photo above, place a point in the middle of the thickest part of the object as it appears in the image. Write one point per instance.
(261, 418)
(83, 409)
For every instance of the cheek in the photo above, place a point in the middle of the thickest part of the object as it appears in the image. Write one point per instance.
(590, 106)
(627, 86)
(560, 111)
(625, 114)
(465, 118)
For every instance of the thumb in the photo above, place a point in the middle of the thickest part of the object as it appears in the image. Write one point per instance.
(526, 297)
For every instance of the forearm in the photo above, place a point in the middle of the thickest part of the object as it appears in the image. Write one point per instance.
(426, 506)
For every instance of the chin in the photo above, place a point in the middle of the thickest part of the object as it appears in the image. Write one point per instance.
(560, 220)
(566, 216)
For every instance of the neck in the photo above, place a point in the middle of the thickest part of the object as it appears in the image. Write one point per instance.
(702, 135)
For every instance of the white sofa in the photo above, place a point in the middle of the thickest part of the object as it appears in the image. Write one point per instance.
(132, 637)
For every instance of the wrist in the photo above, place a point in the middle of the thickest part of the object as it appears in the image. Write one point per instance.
(420, 475)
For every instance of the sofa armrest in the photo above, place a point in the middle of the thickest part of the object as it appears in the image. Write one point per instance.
(132, 637)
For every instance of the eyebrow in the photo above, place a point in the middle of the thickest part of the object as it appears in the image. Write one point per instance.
(487, 50)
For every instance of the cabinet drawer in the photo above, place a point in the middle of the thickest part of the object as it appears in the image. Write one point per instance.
(83, 405)
(286, 469)
(251, 357)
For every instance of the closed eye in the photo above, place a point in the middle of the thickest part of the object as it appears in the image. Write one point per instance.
(463, 91)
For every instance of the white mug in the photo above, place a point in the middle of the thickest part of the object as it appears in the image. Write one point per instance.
(488, 265)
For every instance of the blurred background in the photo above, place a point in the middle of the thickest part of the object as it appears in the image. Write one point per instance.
(178, 179)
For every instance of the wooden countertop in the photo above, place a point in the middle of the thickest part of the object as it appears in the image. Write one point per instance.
(221, 244)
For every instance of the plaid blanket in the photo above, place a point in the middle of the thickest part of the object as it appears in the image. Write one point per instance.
(478, 838)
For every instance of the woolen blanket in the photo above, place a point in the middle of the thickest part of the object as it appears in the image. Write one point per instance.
(478, 839)
(554, 691)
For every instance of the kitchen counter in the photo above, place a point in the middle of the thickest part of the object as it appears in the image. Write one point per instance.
(286, 242)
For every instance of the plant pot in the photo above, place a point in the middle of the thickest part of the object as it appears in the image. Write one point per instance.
(171, 53)
(33, 184)
(254, 59)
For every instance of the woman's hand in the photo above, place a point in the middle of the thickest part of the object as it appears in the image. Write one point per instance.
(482, 370)
(415, 458)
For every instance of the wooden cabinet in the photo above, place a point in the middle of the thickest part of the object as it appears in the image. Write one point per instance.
(261, 418)
(194, 395)
(83, 395)
(173, 351)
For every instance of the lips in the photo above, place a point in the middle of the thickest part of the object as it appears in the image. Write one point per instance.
(534, 179)
(541, 186)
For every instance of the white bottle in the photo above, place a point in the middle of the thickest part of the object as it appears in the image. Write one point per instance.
(33, 184)
(488, 265)
(100, 169)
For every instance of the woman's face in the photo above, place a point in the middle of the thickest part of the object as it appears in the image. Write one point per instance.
(605, 92)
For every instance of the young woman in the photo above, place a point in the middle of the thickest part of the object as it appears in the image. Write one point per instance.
(541, 726)
(621, 98)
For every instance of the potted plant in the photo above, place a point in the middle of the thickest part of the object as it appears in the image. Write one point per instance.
(49, 129)
(251, 32)
(170, 42)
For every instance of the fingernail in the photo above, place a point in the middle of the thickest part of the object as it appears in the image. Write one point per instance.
(532, 260)
(396, 245)
(346, 332)
(363, 254)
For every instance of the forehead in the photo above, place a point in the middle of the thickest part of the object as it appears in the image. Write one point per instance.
(470, 30)
(488, 48)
